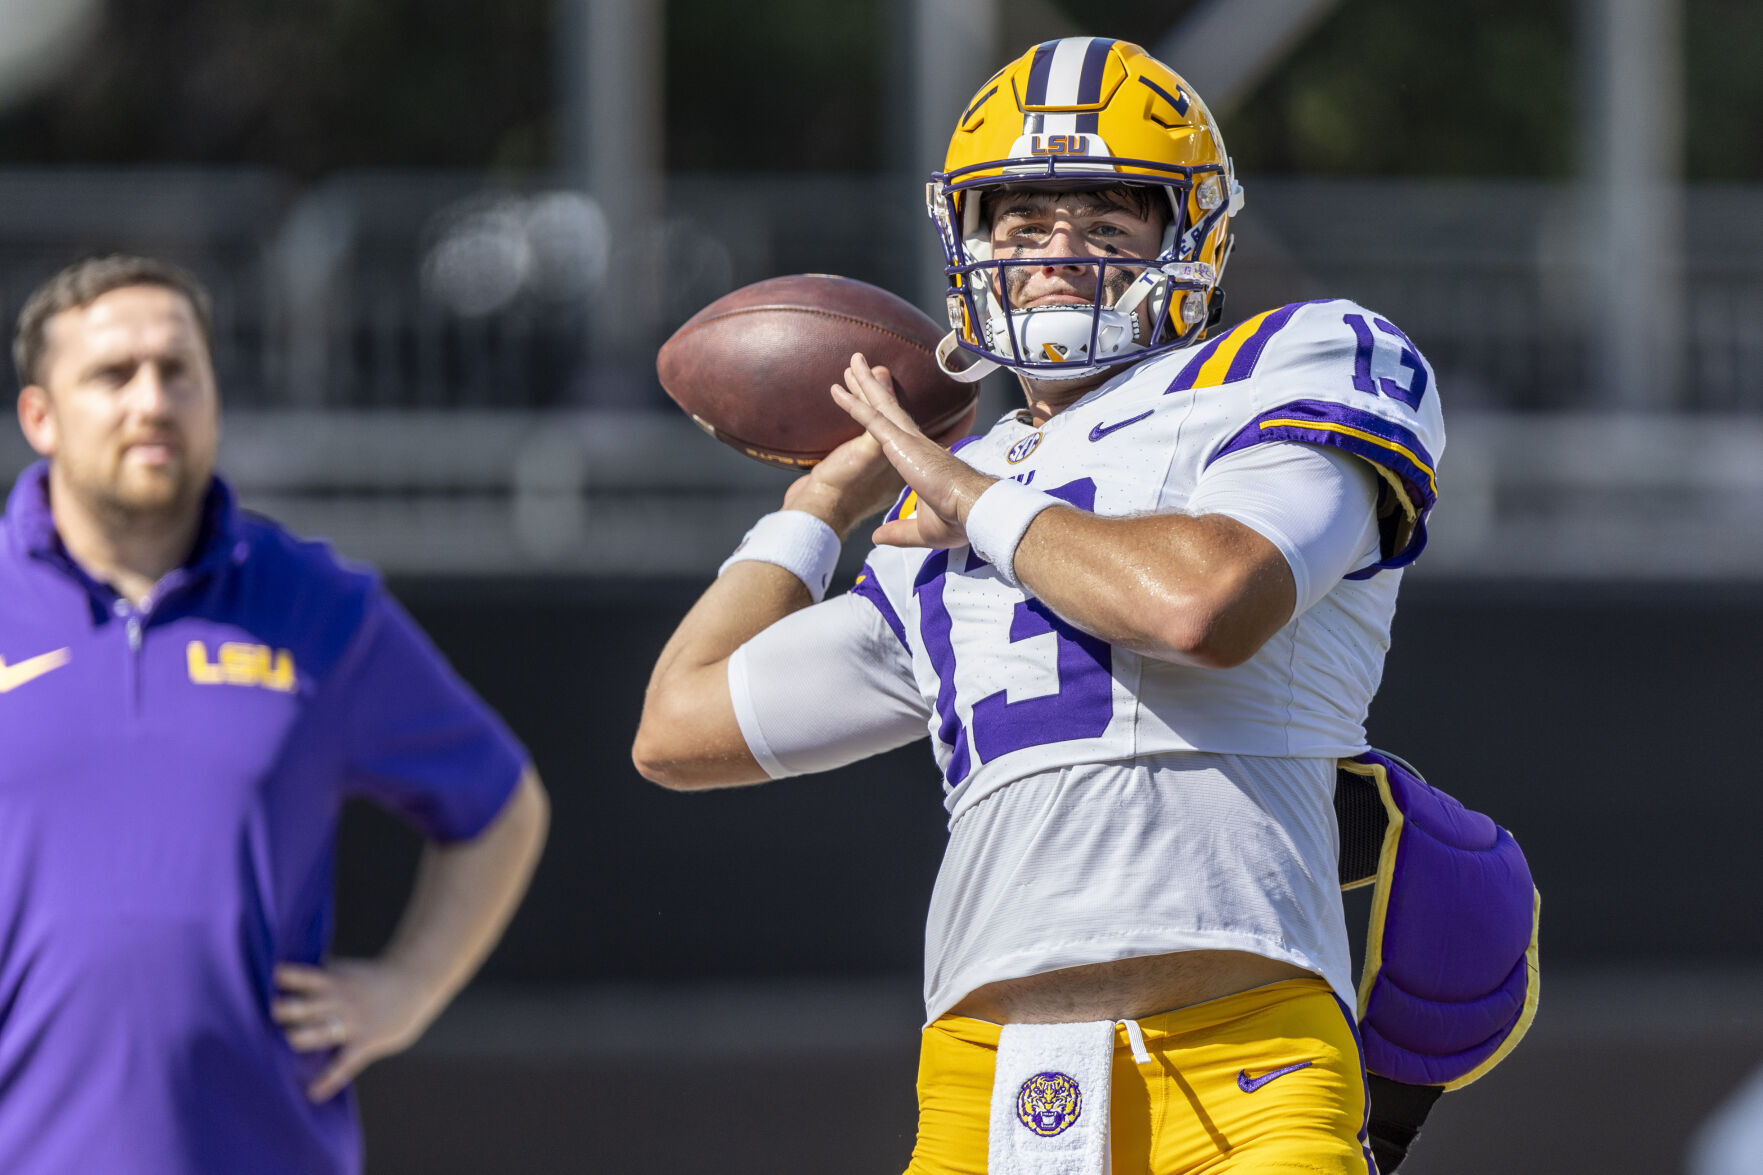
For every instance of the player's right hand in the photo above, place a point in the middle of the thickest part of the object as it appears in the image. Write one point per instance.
(946, 486)
(848, 485)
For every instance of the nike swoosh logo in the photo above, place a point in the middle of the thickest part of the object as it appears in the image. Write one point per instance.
(31, 668)
(1250, 1084)
(1102, 430)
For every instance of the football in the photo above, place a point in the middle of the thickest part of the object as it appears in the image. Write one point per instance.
(754, 367)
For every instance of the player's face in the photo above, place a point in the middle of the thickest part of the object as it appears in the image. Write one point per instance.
(132, 415)
(1070, 224)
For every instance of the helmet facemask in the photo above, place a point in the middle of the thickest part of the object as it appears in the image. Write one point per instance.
(1007, 142)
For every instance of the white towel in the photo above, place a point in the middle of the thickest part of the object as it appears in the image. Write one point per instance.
(1050, 1099)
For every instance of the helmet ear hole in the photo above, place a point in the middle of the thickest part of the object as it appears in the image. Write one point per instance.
(1215, 308)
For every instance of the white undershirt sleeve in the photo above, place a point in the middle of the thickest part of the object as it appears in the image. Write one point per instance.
(823, 687)
(1316, 504)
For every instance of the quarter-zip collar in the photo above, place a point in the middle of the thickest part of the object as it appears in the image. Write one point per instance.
(31, 534)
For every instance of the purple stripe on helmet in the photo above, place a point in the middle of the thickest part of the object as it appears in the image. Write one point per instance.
(1250, 352)
(1191, 372)
(867, 587)
(1179, 100)
(1038, 73)
(1089, 82)
(934, 626)
(977, 103)
(1414, 478)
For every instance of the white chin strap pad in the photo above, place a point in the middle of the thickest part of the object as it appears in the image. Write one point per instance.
(1052, 336)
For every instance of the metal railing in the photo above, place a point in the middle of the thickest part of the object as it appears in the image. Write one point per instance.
(444, 290)
(407, 371)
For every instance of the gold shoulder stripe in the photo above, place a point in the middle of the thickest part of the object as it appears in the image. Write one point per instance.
(1217, 365)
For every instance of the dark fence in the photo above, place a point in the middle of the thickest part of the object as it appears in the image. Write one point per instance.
(1611, 728)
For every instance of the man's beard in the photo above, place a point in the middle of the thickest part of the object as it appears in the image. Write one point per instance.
(129, 499)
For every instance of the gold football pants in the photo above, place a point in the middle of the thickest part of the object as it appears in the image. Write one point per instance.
(1265, 1080)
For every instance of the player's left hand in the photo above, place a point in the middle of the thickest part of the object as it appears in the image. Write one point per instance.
(361, 1008)
(946, 486)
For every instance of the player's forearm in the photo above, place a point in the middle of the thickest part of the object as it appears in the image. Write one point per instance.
(1201, 591)
(688, 736)
(464, 895)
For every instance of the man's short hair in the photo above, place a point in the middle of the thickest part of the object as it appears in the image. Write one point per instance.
(83, 283)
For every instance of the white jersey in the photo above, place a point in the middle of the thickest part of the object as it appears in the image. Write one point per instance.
(1151, 807)
(1016, 691)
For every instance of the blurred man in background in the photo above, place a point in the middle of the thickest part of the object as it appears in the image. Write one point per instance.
(188, 694)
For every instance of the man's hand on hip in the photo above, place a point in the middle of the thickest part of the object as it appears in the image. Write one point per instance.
(362, 1008)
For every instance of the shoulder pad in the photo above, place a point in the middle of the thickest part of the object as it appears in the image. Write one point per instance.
(1450, 980)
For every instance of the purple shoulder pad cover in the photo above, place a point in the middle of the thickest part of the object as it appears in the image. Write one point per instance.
(1449, 984)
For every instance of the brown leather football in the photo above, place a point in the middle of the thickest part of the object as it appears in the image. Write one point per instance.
(754, 367)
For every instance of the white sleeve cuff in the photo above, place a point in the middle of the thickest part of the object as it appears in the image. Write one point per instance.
(748, 718)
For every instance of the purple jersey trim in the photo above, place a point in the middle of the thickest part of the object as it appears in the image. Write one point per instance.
(1189, 374)
(893, 514)
(867, 587)
(1244, 362)
(907, 494)
(1364, 1084)
(935, 626)
(1384, 443)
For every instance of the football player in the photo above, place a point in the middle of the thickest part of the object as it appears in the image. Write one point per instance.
(1141, 618)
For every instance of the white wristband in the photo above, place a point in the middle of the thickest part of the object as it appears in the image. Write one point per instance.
(998, 519)
(795, 540)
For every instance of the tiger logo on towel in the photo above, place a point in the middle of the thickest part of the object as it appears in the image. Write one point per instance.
(1049, 1103)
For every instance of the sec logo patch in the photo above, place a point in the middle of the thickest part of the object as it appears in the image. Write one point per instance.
(1021, 449)
(1049, 1103)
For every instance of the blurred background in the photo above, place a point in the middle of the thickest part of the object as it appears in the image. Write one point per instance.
(447, 237)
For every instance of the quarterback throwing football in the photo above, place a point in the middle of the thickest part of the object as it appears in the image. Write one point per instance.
(1140, 618)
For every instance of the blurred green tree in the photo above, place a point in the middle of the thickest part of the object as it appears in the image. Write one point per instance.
(1382, 87)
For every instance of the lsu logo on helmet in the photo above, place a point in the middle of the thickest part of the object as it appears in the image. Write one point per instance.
(1084, 112)
(1049, 1103)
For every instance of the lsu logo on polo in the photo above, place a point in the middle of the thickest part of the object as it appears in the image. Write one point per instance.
(1049, 1103)
(239, 663)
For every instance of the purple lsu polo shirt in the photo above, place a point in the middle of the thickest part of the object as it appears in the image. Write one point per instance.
(170, 781)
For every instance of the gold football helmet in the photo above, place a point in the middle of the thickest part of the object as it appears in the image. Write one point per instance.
(1084, 112)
